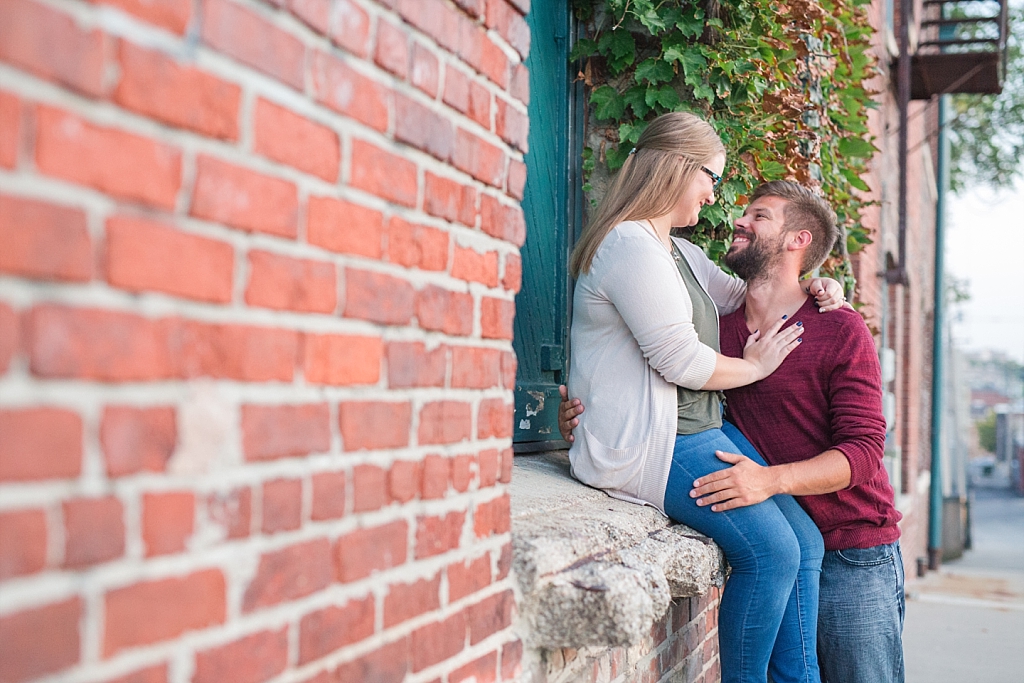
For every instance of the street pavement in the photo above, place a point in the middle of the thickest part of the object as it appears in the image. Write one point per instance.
(965, 622)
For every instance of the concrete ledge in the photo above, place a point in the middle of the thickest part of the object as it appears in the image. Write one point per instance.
(592, 570)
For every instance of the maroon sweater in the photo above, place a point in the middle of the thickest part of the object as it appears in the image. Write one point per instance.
(826, 394)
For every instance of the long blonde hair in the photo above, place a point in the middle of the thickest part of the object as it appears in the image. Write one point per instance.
(665, 160)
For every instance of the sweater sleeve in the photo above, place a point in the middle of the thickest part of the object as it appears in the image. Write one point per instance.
(643, 284)
(855, 400)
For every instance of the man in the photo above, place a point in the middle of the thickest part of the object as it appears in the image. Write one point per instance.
(818, 422)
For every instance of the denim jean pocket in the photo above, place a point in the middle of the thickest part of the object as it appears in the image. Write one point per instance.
(867, 557)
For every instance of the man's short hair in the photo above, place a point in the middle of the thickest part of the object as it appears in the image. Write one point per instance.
(804, 211)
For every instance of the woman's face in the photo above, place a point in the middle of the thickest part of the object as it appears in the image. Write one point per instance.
(699, 192)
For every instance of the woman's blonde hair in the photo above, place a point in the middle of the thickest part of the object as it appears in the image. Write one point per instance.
(665, 160)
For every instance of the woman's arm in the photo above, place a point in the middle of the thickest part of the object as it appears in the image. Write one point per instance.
(761, 356)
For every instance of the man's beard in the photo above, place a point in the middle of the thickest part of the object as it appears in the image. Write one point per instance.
(757, 260)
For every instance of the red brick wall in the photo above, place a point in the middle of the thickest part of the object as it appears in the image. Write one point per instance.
(257, 269)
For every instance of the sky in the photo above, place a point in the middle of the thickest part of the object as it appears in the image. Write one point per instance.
(985, 246)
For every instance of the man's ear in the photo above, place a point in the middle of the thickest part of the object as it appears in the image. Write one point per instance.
(799, 239)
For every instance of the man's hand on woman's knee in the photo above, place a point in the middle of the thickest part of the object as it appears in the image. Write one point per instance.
(567, 412)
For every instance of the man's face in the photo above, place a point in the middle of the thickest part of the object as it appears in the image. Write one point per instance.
(758, 239)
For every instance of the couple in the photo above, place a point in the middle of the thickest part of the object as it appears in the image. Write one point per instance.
(649, 364)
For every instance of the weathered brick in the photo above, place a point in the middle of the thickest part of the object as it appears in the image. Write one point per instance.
(509, 364)
(93, 531)
(449, 199)
(502, 221)
(512, 278)
(516, 179)
(437, 19)
(328, 496)
(152, 611)
(512, 125)
(370, 488)
(490, 615)
(254, 41)
(488, 466)
(404, 480)
(417, 246)
(282, 505)
(475, 368)
(342, 360)
(378, 297)
(386, 175)
(44, 240)
(344, 227)
(438, 641)
(167, 521)
(423, 128)
(519, 87)
(231, 511)
(314, 13)
(479, 158)
(151, 674)
(243, 199)
(388, 664)
(121, 164)
(436, 477)
(40, 443)
(251, 659)
(505, 473)
(173, 15)
(349, 92)
(392, 53)
(352, 28)
(52, 45)
(289, 573)
(156, 86)
(472, 266)
(291, 139)
(372, 425)
(439, 533)
(511, 659)
(444, 422)
(464, 468)
(10, 332)
(445, 311)
(285, 431)
(494, 419)
(39, 641)
(292, 284)
(142, 255)
(407, 600)
(510, 24)
(479, 51)
(468, 576)
(22, 542)
(324, 631)
(480, 670)
(492, 517)
(504, 561)
(240, 352)
(466, 95)
(425, 71)
(10, 129)
(410, 364)
(364, 551)
(496, 317)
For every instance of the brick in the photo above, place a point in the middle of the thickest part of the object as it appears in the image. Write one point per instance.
(345, 227)
(490, 615)
(167, 521)
(468, 577)
(121, 164)
(407, 600)
(436, 477)
(291, 139)
(349, 92)
(505, 473)
(425, 70)
(475, 368)
(443, 310)
(153, 611)
(44, 241)
(436, 19)
(93, 531)
(492, 517)
(479, 158)
(423, 128)
(373, 425)
(243, 199)
(464, 469)
(254, 41)
(324, 631)
(364, 551)
(328, 496)
(438, 641)
(142, 255)
(465, 94)
(51, 44)
(522, 5)
(352, 28)
(504, 562)
(481, 670)
(174, 15)
(155, 85)
(392, 53)
(438, 534)
(417, 246)
(152, 674)
(370, 488)
(240, 352)
(40, 641)
(314, 13)
(449, 199)
(512, 278)
(290, 573)
(22, 542)
(291, 284)
(282, 505)
(494, 419)
(137, 439)
(40, 443)
(388, 664)
(477, 50)
(496, 317)
(231, 511)
(10, 129)
(510, 24)
(511, 660)
(519, 87)
(342, 360)
(285, 431)
(488, 466)
(472, 266)
(378, 297)
(444, 422)
(516, 180)
(473, 8)
(512, 125)
(252, 659)
(404, 480)
(386, 175)
(410, 364)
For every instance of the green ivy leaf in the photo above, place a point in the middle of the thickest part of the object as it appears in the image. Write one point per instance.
(858, 148)
(855, 179)
(665, 97)
(620, 48)
(608, 104)
(654, 71)
(584, 47)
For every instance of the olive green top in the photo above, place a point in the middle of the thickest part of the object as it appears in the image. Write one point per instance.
(698, 410)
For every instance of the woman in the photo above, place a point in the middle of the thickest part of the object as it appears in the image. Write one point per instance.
(645, 363)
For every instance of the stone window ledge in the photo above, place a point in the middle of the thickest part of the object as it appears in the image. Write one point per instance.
(592, 570)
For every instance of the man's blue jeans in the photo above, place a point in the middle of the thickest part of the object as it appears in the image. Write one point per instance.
(768, 616)
(860, 617)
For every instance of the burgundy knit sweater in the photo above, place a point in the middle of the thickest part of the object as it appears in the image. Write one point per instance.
(826, 394)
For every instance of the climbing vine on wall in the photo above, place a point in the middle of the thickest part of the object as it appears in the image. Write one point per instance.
(782, 81)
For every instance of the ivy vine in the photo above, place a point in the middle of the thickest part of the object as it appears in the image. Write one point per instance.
(782, 81)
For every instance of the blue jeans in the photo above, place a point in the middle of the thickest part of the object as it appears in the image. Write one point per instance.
(860, 618)
(768, 616)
